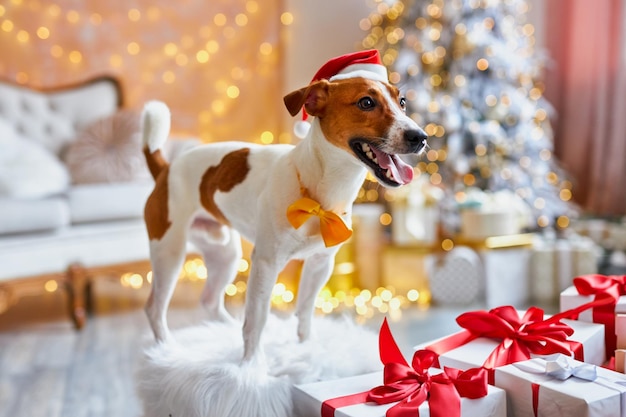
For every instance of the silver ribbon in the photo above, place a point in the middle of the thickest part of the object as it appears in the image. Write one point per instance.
(560, 367)
(563, 367)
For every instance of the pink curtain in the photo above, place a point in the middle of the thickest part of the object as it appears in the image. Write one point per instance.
(587, 85)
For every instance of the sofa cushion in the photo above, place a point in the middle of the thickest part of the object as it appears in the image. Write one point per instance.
(54, 117)
(108, 150)
(23, 216)
(108, 201)
(27, 169)
(91, 245)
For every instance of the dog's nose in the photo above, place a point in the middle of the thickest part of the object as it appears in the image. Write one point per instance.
(416, 138)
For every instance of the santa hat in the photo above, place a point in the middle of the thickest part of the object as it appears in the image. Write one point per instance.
(365, 64)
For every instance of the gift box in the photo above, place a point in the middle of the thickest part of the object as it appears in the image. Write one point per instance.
(562, 387)
(480, 224)
(554, 262)
(506, 275)
(367, 245)
(484, 214)
(457, 277)
(405, 269)
(607, 294)
(570, 298)
(415, 213)
(308, 399)
(402, 389)
(504, 335)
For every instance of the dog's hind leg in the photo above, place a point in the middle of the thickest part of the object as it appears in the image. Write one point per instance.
(221, 250)
(167, 256)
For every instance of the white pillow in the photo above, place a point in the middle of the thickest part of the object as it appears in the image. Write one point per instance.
(27, 169)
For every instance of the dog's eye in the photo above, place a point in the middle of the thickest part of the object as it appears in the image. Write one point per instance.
(403, 103)
(366, 103)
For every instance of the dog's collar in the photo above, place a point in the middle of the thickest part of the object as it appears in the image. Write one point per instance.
(332, 227)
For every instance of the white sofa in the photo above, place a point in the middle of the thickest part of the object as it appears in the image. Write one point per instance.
(71, 202)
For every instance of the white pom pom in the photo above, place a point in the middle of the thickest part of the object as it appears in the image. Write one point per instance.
(301, 129)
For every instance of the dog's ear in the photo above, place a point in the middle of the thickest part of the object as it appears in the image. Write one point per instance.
(313, 97)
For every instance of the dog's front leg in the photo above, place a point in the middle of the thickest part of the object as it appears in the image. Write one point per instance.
(315, 273)
(265, 266)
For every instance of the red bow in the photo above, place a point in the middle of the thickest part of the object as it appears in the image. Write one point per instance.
(520, 337)
(612, 286)
(412, 385)
(607, 291)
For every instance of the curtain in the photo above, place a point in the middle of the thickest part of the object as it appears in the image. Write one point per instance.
(586, 83)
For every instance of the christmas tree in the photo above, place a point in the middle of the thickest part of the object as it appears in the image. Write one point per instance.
(471, 76)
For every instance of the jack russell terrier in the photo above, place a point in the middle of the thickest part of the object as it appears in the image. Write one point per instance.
(291, 202)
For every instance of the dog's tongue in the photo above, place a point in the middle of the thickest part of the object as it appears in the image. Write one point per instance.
(401, 172)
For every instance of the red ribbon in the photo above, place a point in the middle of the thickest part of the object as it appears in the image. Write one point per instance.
(519, 337)
(329, 406)
(411, 385)
(535, 390)
(607, 290)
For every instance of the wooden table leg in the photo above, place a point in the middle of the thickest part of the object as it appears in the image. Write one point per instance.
(77, 285)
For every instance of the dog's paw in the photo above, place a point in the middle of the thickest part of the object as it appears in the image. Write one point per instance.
(304, 331)
(221, 315)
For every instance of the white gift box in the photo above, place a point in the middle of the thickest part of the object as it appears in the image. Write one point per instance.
(571, 299)
(481, 224)
(308, 399)
(572, 397)
(506, 276)
(475, 352)
(554, 262)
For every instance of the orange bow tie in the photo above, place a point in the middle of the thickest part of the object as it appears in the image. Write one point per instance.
(334, 229)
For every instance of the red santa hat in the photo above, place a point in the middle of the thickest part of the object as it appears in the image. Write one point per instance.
(365, 64)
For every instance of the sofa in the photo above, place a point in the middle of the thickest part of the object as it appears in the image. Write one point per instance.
(73, 183)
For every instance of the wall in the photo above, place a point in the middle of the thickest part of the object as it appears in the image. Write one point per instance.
(216, 63)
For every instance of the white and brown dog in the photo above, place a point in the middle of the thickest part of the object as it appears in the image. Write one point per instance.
(291, 202)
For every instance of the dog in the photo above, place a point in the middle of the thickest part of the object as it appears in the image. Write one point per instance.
(217, 193)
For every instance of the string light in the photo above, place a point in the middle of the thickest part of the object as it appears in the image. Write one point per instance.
(252, 6)
(436, 178)
(51, 286)
(562, 222)
(385, 219)
(43, 32)
(72, 16)
(447, 245)
(22, 36)
(364, 302)
(75, 57)
(134, 15)
(7, 25)
(482, 64)
(267, 137)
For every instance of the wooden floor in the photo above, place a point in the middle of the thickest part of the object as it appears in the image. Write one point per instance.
(47, 369)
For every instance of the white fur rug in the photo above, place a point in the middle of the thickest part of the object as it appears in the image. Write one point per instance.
(200, 375)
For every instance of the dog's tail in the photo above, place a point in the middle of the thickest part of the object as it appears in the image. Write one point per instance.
(155, 126)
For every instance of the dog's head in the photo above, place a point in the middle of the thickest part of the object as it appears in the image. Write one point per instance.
(367, 119)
